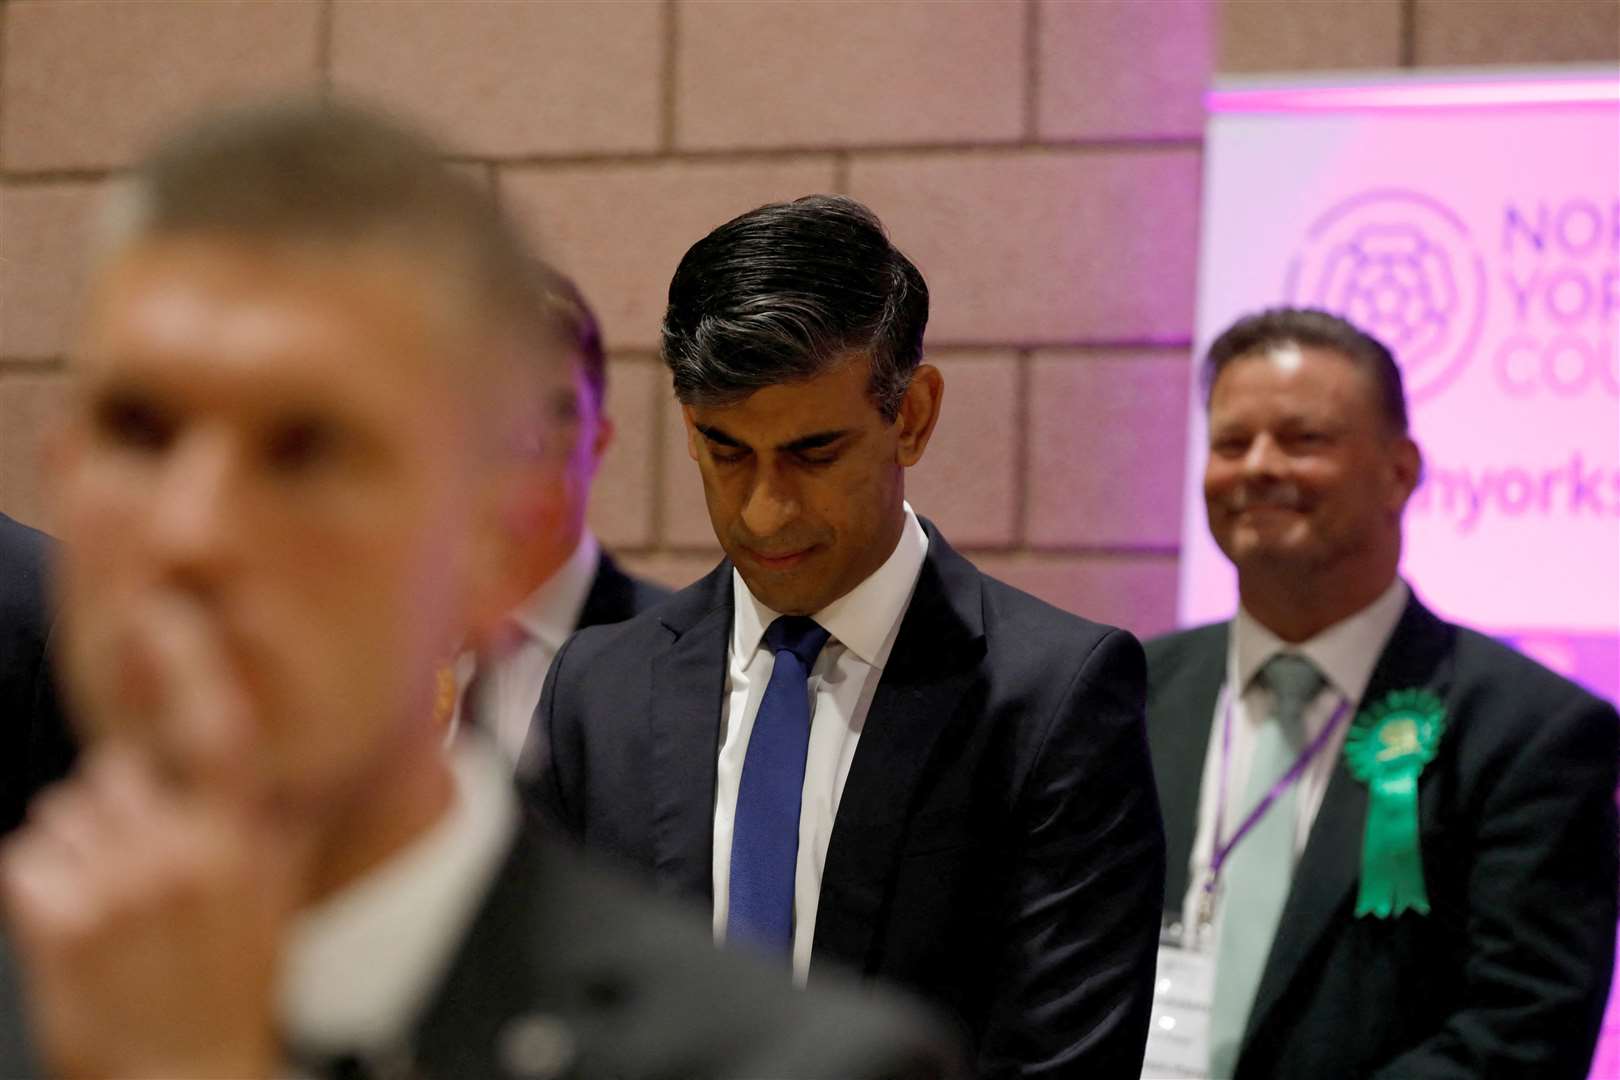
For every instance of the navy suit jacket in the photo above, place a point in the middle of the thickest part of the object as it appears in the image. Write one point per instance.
(36, 748)
(1508, 974)
(997, 847)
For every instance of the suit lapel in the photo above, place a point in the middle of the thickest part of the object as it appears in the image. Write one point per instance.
(929, 671)
(1179, 716)
(1416, 656)
(688, 684)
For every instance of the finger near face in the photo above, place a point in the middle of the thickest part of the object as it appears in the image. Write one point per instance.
(48, 893)
(72, 823)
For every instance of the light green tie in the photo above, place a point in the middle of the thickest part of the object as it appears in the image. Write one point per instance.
(1255, 879)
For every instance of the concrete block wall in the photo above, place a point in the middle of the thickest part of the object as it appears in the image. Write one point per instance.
(1039, 159)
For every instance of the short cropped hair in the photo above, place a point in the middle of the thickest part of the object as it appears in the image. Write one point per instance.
(326, 174)
(1310, 328)
(788, 291)
(576, 326)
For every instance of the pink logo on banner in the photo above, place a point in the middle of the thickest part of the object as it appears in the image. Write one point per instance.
(1403, 267)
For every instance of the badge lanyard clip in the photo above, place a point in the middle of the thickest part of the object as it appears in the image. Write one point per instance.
(1223, 850)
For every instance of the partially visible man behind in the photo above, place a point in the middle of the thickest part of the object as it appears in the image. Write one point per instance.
(570, 581)
(282, 507)
(1413, 871)
(35, 749)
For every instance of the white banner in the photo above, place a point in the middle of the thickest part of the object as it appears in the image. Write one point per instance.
(1473, 224)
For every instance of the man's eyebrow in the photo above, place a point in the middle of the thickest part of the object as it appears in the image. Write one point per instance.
(715, 435)
(813, 442)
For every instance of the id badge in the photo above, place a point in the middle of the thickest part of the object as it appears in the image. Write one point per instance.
(1178, 1035)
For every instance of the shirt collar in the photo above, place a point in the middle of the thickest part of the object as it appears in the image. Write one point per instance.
(358, 967)
(1345, 652)
(864, 619)
(551, 612)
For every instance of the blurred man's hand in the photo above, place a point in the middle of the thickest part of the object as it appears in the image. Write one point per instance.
(149, 907)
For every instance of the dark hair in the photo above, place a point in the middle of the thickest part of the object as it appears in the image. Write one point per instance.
(576, 325)
(1309, 328)
(326, 174)
(787, 291)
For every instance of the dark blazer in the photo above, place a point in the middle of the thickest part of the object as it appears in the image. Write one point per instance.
(635, 989)
(997, 848)
(1508, 974)
(616, 596)
(36, 748)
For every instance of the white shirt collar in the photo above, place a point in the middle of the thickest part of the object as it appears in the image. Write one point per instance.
(551, 612)
(863, 620)
(360, 966)
(1345, 652)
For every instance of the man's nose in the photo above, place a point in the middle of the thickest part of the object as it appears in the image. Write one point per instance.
(193, 511)
(772, 503)
(1264, 457)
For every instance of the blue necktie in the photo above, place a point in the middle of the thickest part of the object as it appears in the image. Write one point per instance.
(765, 834)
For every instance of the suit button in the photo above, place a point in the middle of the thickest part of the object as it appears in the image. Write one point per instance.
(536, 1047)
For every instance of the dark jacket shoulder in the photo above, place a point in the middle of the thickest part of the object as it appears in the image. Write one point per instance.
(1193, 643)
(1481, 659)
(24, 619)
(36, 747)
(1185, 670)
(1018, 613)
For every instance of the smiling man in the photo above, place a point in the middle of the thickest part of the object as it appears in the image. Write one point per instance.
(848, 743)
(1393, 838)
(284, 502)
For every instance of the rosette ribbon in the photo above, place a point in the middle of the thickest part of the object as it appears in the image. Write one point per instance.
(1386, 749)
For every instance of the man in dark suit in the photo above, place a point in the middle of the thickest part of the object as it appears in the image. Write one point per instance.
(846, 740)
(283, 501)
(39, 748)
(570, 580)
(1479, 940)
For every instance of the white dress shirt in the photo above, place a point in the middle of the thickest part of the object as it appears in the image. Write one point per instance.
(1345, 654)
(509, 690)
(359, 968)
(863, 624)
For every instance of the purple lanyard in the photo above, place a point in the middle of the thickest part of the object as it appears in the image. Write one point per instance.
(1223, 851)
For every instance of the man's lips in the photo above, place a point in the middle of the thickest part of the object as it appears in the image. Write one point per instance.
(786, 561)
(1285, 504)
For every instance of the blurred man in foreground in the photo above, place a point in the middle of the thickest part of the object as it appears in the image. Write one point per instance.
(1412, 871)
(570, 581)
(307, 355)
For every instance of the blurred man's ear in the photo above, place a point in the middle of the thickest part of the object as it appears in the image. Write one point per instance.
(515, 505)
(1407, 463)
(919, 412)
(604, 439)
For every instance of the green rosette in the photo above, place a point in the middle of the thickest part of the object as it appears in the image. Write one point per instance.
(1386, 749)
